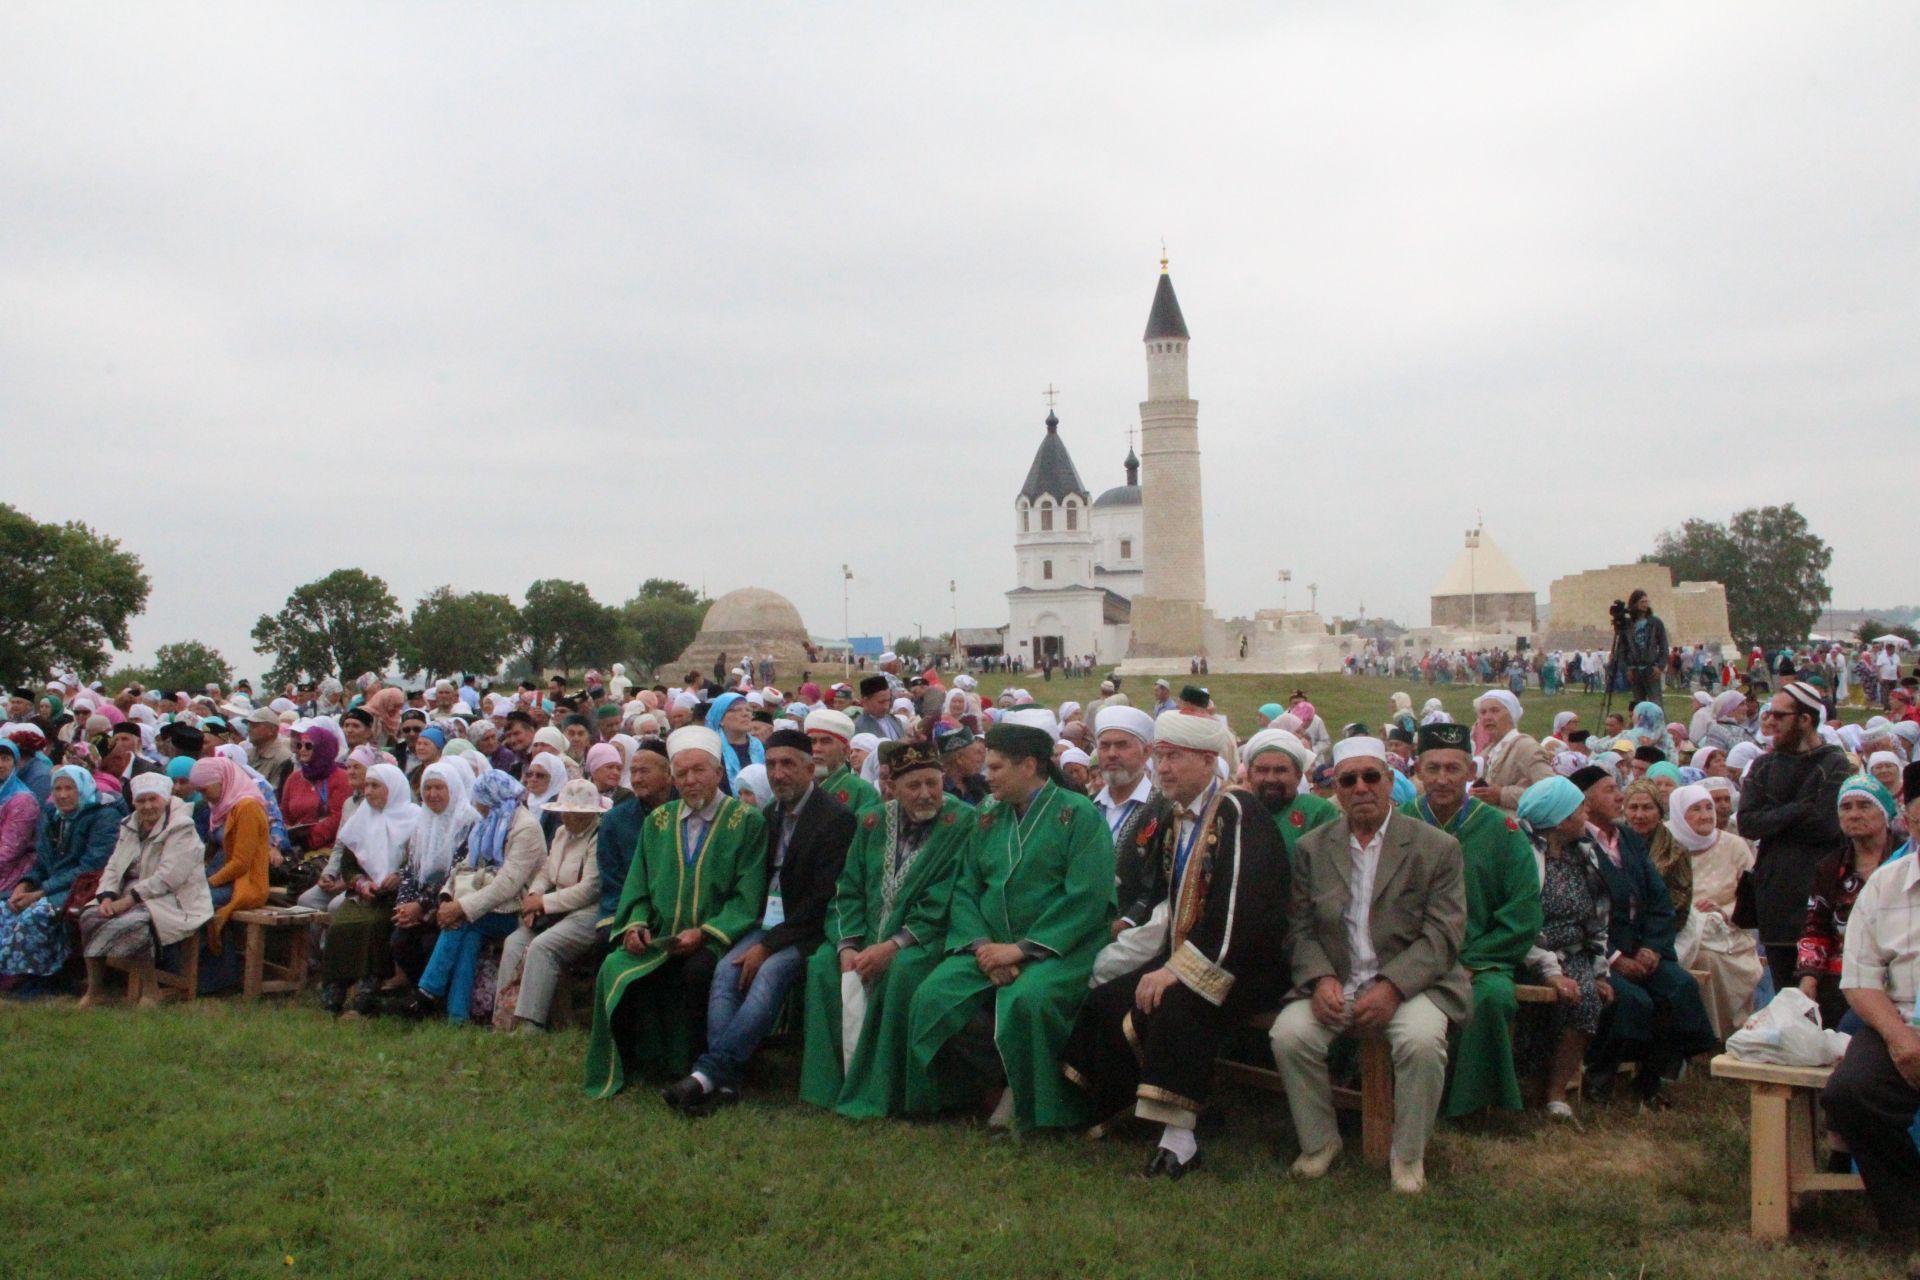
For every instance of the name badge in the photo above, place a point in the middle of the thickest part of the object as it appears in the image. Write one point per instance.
(776, 911)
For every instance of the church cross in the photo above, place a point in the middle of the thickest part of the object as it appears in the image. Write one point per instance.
(1051, 395)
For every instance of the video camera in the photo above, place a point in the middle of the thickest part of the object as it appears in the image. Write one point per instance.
(1618, 612)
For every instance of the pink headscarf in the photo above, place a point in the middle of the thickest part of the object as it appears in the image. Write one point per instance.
(599, 754)
(235, 786)
(385, 706)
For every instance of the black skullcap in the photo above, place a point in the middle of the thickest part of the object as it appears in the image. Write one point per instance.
(656, 745)
(1585, 777)
(1444, 736)
(792, 739)
(518, 716)
(1194, 696)
(361, 714)
(871, 685)
(1652, 755)
(914, 755)
(187, 740)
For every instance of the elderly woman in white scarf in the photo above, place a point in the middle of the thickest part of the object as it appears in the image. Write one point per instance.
(1710, 941)
(438, 840)
(372, 846)
(543, 777)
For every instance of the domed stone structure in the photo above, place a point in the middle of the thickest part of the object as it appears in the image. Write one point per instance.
(752, 621)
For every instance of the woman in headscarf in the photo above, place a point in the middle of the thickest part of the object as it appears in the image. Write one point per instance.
(1431, 712)
(438, 840)
(543, 777)
(556, 916)
(152, 894)
(372, 847)
(237, 828)
(77, 832)
(1866, 820)
(1702, 717)
(385, 706)
(35, 770)
(1402, 713)
(277, 839)
(315, 799)
(1649, 728)
(481, 897)
(19, 818)
(327, 698)
(1718, 860)
(1643, 827)
(750, 786)
(1730, 727)
(738, 746)
(606, 767)
(1571, 953)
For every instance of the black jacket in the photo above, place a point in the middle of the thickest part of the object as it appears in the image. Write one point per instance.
(1790, 804)
(821, 834)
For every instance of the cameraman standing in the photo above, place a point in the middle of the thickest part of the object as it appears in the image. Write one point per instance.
(1641, 639)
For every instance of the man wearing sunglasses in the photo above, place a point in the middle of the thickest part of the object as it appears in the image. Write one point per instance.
(1790, 803)
(1379, 910)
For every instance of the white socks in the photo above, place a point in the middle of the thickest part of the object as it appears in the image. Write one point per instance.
(1179, 1140)
(706, 1085)
(1002, 1117)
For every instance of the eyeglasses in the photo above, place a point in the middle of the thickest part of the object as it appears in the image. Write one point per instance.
(1348, 781)
(303, 746)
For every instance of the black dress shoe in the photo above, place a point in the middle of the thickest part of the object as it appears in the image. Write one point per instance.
(421, 1007)
(1165, 1164)
(686, 1096)
(333, 997)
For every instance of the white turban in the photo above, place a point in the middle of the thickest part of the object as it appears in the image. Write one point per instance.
(684, 701)
(837, 723)
(966, 682)
(1362, 749)
(1032, 718)
(1505, 699)
(1074, 755)
(1197, 733)
(694, 737)
(1279, 740)
(1126, 719)
(152, 784)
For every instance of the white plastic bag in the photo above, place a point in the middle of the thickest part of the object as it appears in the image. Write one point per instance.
(1787, 1033)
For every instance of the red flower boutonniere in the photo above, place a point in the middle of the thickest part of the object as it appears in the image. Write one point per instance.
(1146, 832)
(1297, 818)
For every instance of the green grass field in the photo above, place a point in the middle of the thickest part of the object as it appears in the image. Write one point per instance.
(222, 1139)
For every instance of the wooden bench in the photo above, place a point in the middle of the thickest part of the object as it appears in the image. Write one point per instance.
(1784, 1167)
(184, 985)
(262, 976)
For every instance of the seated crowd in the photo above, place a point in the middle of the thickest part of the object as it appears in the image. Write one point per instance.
(1060, 916)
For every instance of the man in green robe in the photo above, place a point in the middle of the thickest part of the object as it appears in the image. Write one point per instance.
(698, 881)
(1029, 913)
(832, 733)
(1503, 915)
(1277, 762)
(886, 930)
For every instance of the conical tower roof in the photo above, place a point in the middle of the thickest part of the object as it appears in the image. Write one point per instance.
(1165, 320)
(1485, 571)
(1052, 473)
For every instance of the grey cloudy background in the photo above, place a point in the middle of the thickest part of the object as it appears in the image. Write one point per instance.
(481, 294)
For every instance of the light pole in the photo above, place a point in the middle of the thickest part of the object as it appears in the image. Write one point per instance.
(846, 627)
(1286, 576)
(1473, 583)
(953, 599)
(1314, 604)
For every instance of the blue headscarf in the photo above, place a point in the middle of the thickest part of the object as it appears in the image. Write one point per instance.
(14, 785)
(1650, 724)
(179, 767)
(487, 842)
(1548, 803)
(89, 793)
(729, 756)
(436, 735)
(1403, 789)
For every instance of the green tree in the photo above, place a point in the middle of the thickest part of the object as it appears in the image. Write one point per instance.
(1873, 629)
(66, 595)
(339, 625)
(1772, 564)
(190, 666)
(450, 631)
(661, 621)
(565, 627)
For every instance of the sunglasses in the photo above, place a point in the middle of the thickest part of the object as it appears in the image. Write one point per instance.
(1348, 781)
(303, 746)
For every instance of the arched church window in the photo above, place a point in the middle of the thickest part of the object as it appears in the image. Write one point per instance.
(1046, 517)
(1073, 516)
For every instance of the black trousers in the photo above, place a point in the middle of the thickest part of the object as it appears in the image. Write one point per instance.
(1870, 1104)
(686, 979)
(1167, 1059)
(411, 949)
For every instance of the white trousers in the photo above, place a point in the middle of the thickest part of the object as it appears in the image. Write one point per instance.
(1417, 1039)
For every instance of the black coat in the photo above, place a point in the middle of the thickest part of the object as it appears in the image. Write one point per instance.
(821, 835)
(1791, 805)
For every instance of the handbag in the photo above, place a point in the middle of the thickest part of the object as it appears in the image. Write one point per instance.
(1746, 904)
(469, 880)
(80, 895)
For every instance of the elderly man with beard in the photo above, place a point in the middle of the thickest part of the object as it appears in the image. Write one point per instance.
(1029, 911)
(1130, 804)
(1277, 762)
(1145, 1041)
(697, 883)
(887, 927)
(808, 833)
(1379, 908)
(1504, 915)
(831, 733)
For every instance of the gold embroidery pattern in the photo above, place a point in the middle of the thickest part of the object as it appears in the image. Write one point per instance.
(1203, 977)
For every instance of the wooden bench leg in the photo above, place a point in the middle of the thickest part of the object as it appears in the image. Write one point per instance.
(1771, 1210)
(255, 960)
(297, 944)
(1376, 1101)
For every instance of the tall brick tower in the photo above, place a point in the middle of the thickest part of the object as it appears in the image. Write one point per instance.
(1169, 614)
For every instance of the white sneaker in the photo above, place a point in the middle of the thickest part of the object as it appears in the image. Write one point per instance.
(1559, 1111)
(1408, 1179)
(1314, 1164)
(1002, 1117)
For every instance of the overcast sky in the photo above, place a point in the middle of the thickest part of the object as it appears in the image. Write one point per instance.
(482, 294)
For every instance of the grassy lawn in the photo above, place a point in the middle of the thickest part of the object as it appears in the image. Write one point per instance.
(221, 1139)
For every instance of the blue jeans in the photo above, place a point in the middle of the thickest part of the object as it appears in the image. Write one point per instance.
(737, 1022)
(456, 955)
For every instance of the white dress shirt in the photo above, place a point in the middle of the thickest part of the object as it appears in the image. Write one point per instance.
(1883, 935)
(1116, 811)
(1366, 865)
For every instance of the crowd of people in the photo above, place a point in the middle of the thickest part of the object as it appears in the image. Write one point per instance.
(1058, 915)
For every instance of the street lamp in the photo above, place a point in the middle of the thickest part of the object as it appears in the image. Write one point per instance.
(1473, 583)
(953, 599)
(846, 627)
(1314, 587)
(1286, 576)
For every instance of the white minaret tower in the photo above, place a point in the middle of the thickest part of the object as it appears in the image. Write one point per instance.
(1175, 545)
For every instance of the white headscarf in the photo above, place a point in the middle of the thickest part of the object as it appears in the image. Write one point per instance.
(437, 836)
(555, 768)
(378, 837)
(1683, 799)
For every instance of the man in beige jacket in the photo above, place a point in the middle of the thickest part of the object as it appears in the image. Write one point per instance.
(1513, 761)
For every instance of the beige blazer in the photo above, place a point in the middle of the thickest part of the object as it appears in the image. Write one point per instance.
(526, 848)
(167, 870)
(1418, 920)
(570, 877)
(1515, 767)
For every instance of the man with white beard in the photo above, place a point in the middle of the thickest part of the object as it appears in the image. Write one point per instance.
(1132, 805)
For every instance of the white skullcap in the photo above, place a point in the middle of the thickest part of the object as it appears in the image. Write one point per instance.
(1505, 699)
(1717, 784)
(1074, 755)
(1279, 740)
(887, 657)
(1126, 719)
(1362, 749)
(684, 701)
(966, 682)
(755, 698)
(1742, 755)
(1033, 718)
(837, 723)
(694, 737)
(784, 723)
(151, 784)
(1197, 733)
